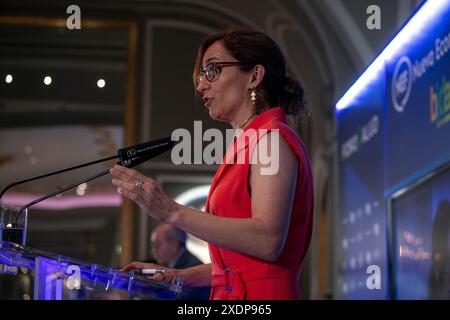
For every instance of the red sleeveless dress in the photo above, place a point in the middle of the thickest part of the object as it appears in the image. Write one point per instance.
(238, 276)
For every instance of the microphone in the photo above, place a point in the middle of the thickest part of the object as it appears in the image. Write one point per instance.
(128, 163)
(152, 148)
(128, 157)
(125, 155)
(146, 152)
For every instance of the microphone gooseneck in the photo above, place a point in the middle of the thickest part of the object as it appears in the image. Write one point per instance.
(53, 173)
(155, 150)
(146, 150)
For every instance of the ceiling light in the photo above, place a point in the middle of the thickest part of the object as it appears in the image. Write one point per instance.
(47, 80)
(101, 83)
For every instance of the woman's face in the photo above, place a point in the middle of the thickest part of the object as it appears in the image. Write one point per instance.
(228, 93)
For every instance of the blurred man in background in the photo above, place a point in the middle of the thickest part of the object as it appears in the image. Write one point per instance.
(168, 247)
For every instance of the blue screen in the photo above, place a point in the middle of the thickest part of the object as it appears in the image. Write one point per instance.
(361, 238)
(392, 131)
(421, 223)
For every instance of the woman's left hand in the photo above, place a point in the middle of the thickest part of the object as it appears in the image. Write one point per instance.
(145, 191)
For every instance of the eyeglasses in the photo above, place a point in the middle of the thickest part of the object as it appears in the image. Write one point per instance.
(212, 70)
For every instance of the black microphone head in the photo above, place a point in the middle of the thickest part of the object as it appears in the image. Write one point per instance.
(147, 150)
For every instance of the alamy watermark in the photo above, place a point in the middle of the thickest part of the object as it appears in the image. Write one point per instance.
(74, 20)
(374, 20)
(73, 282)
(374, 280)
(250, 146)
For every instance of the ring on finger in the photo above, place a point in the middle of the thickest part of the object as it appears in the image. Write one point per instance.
(139, 184)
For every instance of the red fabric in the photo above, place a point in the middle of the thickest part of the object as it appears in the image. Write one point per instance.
(239, 276)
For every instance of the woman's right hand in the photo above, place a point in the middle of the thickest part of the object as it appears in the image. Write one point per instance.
(167, 276)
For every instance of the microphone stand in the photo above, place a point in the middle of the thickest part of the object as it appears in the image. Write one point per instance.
(61, 190)
(126, 163)
(128, 157)
(145, 150)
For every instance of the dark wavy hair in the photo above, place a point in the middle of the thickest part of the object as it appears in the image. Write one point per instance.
(251, 48)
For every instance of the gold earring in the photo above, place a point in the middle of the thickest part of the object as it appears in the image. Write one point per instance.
(253, 96)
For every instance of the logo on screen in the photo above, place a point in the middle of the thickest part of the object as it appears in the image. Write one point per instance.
(401, 83)
(440, 103)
